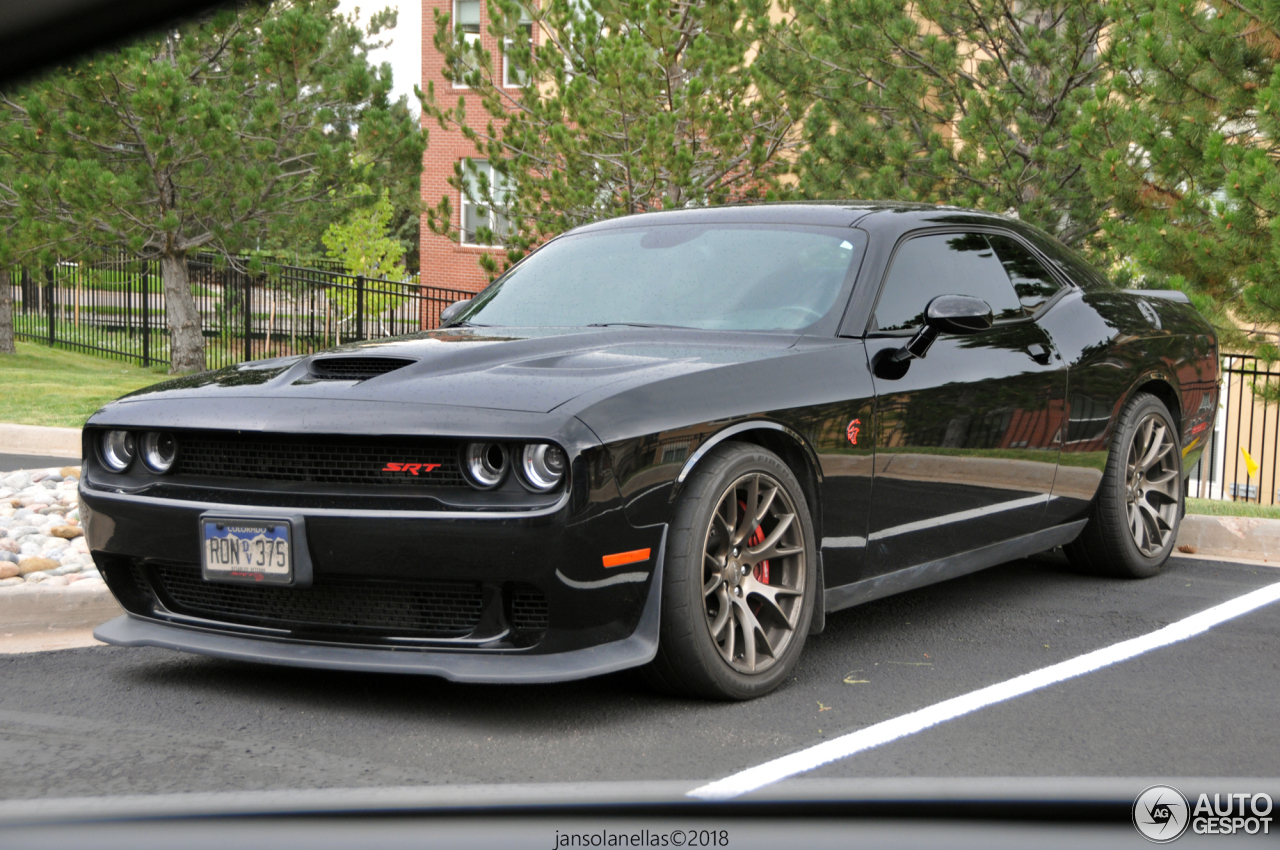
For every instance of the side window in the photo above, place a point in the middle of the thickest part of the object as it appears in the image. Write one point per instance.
(1075, 267)
(943, 264)
(1030, 279)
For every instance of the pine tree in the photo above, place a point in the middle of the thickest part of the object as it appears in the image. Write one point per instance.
(967, 102)
(628, 106)
(223, 131)
(1184, 138)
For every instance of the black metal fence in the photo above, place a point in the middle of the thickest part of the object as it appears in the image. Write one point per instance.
(1240, 460)
(115, 307)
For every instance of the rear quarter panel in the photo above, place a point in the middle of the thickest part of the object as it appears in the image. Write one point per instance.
(1117, 343)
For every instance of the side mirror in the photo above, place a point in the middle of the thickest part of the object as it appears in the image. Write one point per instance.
(947, 314)
(447, 314)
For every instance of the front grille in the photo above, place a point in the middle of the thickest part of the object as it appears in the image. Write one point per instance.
(355, 368)
(529, 609)
(409, 609)
(319, 460)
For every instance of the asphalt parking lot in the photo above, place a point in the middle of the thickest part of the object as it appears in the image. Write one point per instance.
(109, 720)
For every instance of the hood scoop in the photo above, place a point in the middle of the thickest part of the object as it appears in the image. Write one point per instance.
(354, 368)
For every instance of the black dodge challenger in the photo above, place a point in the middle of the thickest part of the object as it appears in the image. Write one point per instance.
(672, 441)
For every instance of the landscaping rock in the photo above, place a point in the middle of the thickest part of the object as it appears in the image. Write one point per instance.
(67, 532)
(17, 480)
(69, 472)
(8, 570)
(27, 566)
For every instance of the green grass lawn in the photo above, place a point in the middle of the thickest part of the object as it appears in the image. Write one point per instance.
(48, 386)
(1213, 507)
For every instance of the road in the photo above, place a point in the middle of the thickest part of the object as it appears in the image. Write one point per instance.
(109, 720)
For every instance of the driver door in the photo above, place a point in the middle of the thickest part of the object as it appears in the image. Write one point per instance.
(967, 438)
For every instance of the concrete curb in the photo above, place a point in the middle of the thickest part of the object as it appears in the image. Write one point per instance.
(25, 610)
(1230, 536)
(39, 608)
(39, 440)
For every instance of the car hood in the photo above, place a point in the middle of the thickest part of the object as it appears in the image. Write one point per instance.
(513, 369)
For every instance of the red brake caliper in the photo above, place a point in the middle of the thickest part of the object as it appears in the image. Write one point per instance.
(761, 571)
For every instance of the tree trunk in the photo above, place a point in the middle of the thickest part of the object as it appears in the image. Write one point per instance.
(186, 342)
(6, 314)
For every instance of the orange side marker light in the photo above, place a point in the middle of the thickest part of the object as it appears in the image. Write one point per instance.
(619, 559)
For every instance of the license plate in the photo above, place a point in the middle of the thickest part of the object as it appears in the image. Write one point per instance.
(246, 550)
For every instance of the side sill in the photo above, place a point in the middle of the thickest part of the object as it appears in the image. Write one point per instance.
(952, 566)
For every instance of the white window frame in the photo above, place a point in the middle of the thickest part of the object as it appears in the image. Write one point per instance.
(496, 187)
(470, 38)
(507, 82)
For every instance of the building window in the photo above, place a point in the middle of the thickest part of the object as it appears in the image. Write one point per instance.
(512, 74)
(466, 28)
(676, 453)
(480, 212)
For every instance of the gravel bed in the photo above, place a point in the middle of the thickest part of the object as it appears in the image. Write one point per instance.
(41, 542)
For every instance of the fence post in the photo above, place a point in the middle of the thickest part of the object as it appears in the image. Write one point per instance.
(360, 307)
(248, 317)
(146, 315)
(48, 276)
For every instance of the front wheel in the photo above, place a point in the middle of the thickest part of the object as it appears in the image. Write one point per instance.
(738, 584)
(1134, 521)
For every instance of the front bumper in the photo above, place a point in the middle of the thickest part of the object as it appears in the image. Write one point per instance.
(633, 651)
(413, 565)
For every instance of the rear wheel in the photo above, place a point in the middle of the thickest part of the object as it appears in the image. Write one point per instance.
(1134, 521)
(738, 584)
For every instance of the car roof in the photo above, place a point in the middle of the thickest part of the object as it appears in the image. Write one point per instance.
(896, 215)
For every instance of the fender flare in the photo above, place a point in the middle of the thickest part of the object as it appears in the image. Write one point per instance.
(739, 428)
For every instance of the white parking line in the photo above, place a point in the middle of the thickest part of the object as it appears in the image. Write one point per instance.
(917, 721)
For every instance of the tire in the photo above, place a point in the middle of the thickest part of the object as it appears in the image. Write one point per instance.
(1133, 523)
(712, 597)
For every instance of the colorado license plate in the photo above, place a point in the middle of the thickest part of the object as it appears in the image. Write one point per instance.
(246, 550)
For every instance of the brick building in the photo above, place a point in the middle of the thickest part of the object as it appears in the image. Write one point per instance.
(444, 262)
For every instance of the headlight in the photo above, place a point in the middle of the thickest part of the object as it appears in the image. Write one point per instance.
(485, 464)
(117, 450)
(159, 450)
(542, 466)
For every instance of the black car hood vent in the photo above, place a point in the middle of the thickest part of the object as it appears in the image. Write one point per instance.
(355, 368)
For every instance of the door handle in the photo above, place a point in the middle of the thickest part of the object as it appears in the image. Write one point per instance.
(1039, 353)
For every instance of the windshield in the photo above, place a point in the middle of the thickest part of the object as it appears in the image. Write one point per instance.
(715, 276)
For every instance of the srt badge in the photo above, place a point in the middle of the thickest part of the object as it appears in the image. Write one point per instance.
(411, 468)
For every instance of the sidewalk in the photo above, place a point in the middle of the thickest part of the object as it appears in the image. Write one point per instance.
(39, 440)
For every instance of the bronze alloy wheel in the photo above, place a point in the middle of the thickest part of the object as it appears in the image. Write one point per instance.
(1151, 482)
(1133, 522)
(753, 573)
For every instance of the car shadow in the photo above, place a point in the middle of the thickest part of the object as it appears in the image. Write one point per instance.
(604, 701)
